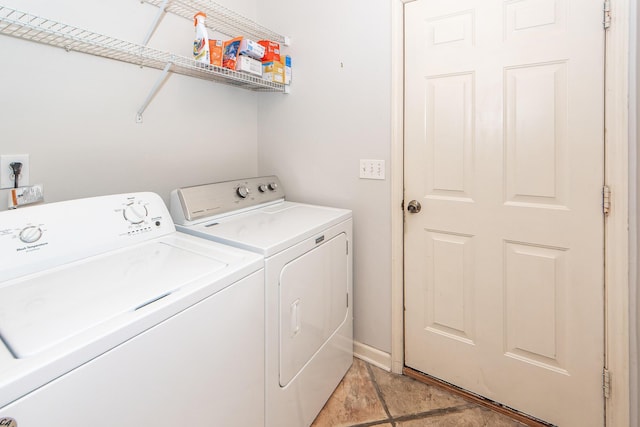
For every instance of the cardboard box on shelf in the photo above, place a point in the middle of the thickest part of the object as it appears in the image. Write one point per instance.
(230, 52)
(271, 50)
(215, 52)
(273, 71)
(249, 65)
(252, 49)
(286, 61)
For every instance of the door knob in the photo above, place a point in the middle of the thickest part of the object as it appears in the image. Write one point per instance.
(414, 206)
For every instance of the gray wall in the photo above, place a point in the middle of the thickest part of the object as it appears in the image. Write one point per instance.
(339, 111)
(74, 114)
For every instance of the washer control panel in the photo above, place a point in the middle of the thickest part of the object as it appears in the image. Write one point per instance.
(30, 234)
(203, 201)
(136, 212)
(34, 237)
(140, 215)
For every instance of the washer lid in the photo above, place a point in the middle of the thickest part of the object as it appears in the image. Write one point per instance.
(44, 309)
(270, 229)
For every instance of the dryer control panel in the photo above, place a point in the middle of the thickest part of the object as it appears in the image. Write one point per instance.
(201, 202)
(38, 237)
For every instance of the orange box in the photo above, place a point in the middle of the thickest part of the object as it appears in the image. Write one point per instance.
(215, 52)
(271, 50)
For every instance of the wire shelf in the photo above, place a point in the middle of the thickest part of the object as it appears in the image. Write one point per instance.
(220, 19)
(37, 29)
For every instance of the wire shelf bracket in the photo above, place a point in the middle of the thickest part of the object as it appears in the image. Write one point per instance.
(153, 91)
(156, 22)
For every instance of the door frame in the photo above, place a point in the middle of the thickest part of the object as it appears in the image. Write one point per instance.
(616, 228)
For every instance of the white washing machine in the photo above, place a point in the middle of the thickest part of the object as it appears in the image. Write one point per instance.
(308, 284)
(108, 316)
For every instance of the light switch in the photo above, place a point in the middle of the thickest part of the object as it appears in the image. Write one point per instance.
(372, 169)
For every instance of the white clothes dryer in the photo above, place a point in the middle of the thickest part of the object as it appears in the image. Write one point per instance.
(308, 284)
(108, 316)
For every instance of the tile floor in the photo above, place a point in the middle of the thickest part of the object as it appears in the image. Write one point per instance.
(369, 396)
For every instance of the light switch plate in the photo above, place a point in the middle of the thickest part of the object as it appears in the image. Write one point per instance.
(6, 173)
(371, 169)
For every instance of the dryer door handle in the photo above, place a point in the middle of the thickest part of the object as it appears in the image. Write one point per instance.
(295, 317)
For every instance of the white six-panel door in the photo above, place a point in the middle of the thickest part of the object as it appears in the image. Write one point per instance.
(504, 151)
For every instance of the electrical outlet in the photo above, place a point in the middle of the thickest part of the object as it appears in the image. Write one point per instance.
(6, 173)
(371, 169)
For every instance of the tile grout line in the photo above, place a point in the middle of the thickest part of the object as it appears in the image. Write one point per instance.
(422, 415)
(380, 395)
(373, 423)
(435, 412)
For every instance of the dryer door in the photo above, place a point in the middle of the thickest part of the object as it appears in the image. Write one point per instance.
(313, 303)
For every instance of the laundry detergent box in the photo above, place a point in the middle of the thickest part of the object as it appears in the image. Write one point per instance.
(271, 50)
(273, 71)
(249, 65)
(250, 48)
(230, 53)
(215, 52)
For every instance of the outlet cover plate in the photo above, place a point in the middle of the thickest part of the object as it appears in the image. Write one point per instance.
(6, 174)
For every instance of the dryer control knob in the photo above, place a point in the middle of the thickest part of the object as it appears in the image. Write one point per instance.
(262, 188)
(31, 234)
(243, 191)
(135, 213)
(273, 186)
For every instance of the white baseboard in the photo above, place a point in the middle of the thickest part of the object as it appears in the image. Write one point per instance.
(372, 355)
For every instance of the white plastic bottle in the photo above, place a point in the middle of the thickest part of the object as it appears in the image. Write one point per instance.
(201, 42)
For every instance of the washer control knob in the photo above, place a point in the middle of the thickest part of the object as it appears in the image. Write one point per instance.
(273, 186)
(262, 188)
(31, 234)
(135, 213)
(243, 191)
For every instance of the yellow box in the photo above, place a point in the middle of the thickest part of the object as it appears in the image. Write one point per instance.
(272, 66)
(273, 71)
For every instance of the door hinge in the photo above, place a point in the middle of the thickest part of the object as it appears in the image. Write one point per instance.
(606, 200)
(606, 14)
(606, 383)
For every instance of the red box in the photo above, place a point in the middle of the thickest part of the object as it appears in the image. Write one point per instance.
(271, 50)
